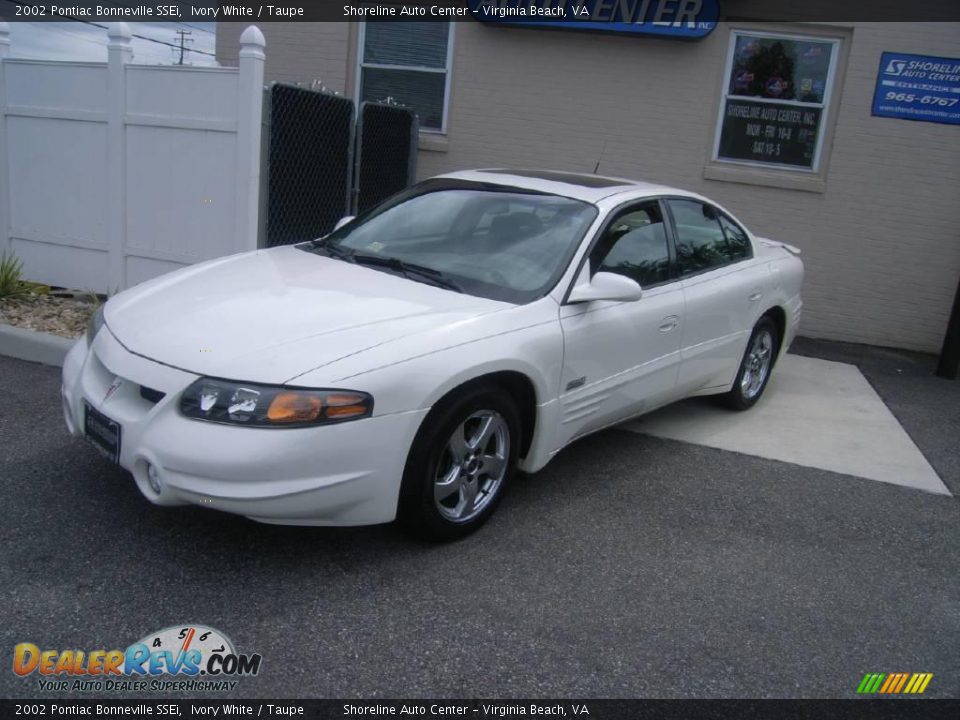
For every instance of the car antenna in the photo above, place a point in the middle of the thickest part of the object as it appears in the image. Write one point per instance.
(602, 150)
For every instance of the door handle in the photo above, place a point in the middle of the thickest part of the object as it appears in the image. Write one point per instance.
(669, 323)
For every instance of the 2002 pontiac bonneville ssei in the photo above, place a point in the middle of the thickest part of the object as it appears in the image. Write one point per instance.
(408, 363)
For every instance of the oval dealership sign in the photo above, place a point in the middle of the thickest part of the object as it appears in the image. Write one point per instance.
(665, 18)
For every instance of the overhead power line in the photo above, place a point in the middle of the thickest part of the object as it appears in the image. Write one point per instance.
(139, 37)
(197, 27)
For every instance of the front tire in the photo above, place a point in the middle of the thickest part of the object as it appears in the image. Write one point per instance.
(755, 367)
(460, 464)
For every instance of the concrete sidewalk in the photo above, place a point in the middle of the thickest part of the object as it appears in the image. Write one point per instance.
(816, 413)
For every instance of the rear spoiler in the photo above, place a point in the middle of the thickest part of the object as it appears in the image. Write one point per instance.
(792, 249)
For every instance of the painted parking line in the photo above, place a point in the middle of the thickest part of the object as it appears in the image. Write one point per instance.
(815, 413)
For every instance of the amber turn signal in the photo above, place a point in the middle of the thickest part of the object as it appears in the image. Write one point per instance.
(344, 405)
(294, 407)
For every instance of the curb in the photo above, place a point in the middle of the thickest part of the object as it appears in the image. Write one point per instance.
(34, 346)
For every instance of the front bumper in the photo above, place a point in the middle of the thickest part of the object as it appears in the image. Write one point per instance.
(343, 474)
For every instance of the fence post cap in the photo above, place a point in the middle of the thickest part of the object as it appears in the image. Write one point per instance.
(252, 37)
(119, 32)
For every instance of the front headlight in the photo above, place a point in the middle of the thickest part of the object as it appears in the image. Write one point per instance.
(253, 405)
(94, 324)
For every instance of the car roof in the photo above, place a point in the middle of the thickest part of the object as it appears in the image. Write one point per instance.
(580, 186)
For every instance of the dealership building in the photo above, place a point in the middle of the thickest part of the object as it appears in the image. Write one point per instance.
(842, 138)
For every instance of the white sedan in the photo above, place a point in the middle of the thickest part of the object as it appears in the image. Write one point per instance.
(409, 363)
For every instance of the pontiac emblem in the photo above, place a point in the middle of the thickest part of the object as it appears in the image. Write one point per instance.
(117, 382)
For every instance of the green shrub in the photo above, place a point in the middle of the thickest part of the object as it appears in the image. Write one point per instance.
(11, 270)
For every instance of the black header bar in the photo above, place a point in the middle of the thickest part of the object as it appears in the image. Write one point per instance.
(600, 11)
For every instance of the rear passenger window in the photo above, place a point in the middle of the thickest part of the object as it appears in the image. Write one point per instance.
(738, 244)
(705, 238)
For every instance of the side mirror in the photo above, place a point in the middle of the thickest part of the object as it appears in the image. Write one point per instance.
(343, 221)
(607, 286)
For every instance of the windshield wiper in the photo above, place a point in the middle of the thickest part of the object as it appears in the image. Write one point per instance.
(396, 264)
(334, 250)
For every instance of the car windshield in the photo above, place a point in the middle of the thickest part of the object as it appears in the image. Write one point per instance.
(491, 241)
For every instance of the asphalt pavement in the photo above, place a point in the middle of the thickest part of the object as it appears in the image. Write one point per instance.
(630, 567)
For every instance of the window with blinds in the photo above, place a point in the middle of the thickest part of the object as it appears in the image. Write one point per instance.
(408, 64)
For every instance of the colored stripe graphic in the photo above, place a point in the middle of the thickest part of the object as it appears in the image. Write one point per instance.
(901, 683)
(870, 683)
(894, 683)
(918, 683)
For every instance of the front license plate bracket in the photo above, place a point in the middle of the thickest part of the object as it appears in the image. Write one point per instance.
(101, 432)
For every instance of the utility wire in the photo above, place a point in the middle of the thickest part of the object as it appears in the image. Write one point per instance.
(139, 37)
(197, 27)
(64, 31)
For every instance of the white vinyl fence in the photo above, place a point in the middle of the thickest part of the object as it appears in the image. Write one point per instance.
(113, 173)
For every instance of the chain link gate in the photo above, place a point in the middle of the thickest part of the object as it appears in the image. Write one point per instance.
(322, 163)
(386, 158)
(309, 163)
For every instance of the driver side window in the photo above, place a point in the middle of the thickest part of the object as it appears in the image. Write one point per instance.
(634, 245)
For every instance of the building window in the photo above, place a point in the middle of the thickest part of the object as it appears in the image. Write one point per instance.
(776, 97)
(409, 64)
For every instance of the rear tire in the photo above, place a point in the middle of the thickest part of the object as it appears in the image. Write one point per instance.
(755, 367)
(461, 461)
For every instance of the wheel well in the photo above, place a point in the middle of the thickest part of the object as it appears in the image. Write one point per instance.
(779, 318)
(519, 387)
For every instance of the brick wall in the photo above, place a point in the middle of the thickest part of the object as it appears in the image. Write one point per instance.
(296, 52)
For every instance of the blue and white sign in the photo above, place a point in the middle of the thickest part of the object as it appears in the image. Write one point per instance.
(686, 19)
(918, 87)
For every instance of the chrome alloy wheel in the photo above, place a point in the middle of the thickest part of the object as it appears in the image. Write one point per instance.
(472, 466)
(757, 364)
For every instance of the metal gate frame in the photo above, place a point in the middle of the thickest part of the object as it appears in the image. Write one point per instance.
(267, 159)
(351, 189)
(358, 153)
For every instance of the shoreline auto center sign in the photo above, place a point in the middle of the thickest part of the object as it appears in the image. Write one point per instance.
(685, 19)
(918, 87)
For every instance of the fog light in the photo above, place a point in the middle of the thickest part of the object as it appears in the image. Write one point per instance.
(153, 477)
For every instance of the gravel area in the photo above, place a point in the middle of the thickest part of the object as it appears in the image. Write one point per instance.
(64, 316)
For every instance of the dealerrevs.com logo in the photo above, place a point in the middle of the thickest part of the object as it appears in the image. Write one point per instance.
(178, 658)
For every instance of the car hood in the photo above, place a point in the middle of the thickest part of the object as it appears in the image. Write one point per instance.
(270, 315)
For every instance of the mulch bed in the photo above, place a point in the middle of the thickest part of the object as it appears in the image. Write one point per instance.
(64, 316)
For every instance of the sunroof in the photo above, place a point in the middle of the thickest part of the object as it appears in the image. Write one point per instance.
(591, 181)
